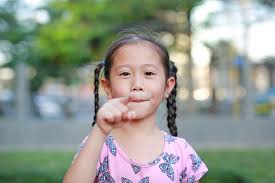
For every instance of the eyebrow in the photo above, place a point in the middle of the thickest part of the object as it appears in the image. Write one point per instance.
(145, 65)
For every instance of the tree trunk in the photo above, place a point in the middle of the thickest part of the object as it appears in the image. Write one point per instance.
(248, 103)
(190, 102)
(22, 92)
(213, 107)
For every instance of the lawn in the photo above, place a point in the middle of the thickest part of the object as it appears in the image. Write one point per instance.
(232, 166)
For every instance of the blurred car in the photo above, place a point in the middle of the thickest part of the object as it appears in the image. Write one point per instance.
(47, 107)
(6, 102)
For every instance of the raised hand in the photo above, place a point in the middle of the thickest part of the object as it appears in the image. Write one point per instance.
(115, 112)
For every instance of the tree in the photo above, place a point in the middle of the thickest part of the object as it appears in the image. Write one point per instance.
(15, 41)
(79, 31)
(188, 7)
(14, 36)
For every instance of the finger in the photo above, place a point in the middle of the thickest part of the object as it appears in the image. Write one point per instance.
(123, 108)
(134, 96)
(116, 112)
(124, 100)
(131, 115)
(108, 115)
(120, 124)
(125, 115)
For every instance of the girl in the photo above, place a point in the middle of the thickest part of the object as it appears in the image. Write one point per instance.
(125, 145)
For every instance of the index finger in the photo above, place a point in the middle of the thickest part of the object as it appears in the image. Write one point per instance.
(124, 100)
(134, 96)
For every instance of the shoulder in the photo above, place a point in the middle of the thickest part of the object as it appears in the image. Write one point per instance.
(192, 166)
(177, 144)
(84, 142)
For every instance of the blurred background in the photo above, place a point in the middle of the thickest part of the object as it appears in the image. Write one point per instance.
(224, 51)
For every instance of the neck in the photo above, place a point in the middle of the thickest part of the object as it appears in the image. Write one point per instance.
(140, 128)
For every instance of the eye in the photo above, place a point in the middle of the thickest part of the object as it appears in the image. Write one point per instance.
(149, 73)
(125, 74)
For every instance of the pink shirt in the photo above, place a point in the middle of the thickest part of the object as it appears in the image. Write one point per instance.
(177, 163)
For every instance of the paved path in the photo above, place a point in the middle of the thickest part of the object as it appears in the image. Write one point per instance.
(206, 132)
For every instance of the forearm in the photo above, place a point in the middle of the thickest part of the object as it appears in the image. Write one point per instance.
(83, 169)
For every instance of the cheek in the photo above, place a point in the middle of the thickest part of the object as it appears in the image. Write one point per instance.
(157, 89)
(119, 89)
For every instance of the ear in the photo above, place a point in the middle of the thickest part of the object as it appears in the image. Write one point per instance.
(170, 84)
(106, 86)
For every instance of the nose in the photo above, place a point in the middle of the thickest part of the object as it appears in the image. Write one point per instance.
(137, 84)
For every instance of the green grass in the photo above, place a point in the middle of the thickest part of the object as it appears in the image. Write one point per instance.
(38, 167)
(232, 166)
(255, 166)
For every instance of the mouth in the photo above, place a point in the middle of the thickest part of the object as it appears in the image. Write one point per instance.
(140, 97)
(139, 101)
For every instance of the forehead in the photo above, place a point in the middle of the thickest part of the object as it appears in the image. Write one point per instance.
(137, 54)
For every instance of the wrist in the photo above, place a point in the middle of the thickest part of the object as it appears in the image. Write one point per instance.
(98, 130)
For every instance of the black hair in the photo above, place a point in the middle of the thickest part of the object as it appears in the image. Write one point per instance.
(134, 36)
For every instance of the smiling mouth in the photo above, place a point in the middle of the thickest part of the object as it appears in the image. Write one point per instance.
(139, 101)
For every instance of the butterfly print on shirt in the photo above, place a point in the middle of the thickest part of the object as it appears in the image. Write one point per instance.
(196, 162)
(103, 175)
(166, 166)
(103, 166)
(183, 174)
(135, 168)
(191, 179)
(154, 162)
(169, 138)
(111, 145)
(106, 178)
(144, 180)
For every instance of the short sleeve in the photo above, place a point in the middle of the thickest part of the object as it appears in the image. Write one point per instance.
(193, 167)
(102, 157)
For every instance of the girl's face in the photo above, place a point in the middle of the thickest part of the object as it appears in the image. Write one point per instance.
(137, 68)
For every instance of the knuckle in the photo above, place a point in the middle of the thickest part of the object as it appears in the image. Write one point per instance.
(118, 114)
(104, 106)
(123, 109)
(109, 115)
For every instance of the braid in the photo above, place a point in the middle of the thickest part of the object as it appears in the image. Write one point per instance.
(96, 87)
(171, 103)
